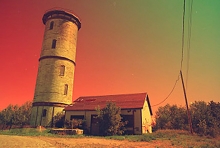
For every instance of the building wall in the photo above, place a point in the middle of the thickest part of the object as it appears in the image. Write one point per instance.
(128, 112)
(51, 84)
(65, 32)
(146, 119)
(137, 119)
(137, 129)
(86, 114)
(137, 122)
(38, 119)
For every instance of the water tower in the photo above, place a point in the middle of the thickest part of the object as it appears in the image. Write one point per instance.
(54, 84)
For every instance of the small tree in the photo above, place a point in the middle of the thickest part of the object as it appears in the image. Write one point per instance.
(24, 113)
(110, 120)
(171, 117)
(205, 118)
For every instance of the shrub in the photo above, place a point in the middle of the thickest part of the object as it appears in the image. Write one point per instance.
(110, 120)
(74, 123)
(205, 118)
(59, 120)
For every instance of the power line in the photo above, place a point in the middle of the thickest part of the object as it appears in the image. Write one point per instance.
(181, 62)
(189, 40)
(183, 29)
(169, 93)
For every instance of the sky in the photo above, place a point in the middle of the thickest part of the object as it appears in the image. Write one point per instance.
(123, 47)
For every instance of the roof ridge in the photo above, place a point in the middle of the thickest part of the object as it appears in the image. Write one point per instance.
(124, 94)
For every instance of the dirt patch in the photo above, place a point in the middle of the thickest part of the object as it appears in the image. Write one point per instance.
(102, 143)
(7, 141)
(51, 142)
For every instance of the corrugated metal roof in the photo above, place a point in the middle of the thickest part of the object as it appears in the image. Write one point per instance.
(124, 101)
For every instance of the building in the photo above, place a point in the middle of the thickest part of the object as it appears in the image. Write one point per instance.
(54, 84)
(135, 108)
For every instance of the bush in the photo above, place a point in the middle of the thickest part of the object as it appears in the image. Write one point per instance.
(110, 120)
(205, 118)
(74, 123)
(59, 120)
(171, 117)
(15, 115)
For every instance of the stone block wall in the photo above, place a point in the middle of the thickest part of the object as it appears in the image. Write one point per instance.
(55, 78)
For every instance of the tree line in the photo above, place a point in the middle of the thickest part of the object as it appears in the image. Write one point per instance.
(205, 118)
(19, 116)
(15, 115)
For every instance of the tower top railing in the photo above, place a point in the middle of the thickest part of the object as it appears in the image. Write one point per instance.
(55, 12)
(61, 9)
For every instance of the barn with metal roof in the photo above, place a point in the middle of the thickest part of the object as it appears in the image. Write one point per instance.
(135, 109)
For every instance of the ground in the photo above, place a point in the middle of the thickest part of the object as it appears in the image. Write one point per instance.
(7, 141)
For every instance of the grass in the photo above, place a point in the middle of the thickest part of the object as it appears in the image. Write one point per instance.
(35, 132)
(134, 138)
(25, 132)
(185, 139)
(175, 137)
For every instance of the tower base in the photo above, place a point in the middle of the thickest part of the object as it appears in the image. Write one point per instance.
(42, 113)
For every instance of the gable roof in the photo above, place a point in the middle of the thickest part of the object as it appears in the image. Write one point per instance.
(124, 101)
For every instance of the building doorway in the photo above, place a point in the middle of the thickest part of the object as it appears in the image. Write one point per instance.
(94, 129)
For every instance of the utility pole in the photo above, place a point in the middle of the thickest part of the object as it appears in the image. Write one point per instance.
(188, 113)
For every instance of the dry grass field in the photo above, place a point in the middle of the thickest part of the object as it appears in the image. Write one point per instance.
(11, 141)
(19, 138)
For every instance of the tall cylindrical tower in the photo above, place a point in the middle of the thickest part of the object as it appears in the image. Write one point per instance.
(54, 84)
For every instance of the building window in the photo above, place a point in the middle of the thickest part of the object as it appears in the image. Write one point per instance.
(44, 113)
(51, 25)
(54, 43)
(77, 117)
(62, 70)
(129, 119)
(65, 89)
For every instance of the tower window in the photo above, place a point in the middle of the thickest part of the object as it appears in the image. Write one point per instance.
(54, 43)
(51, 25)
(65, 89)
(44, 113)
(62, 70)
